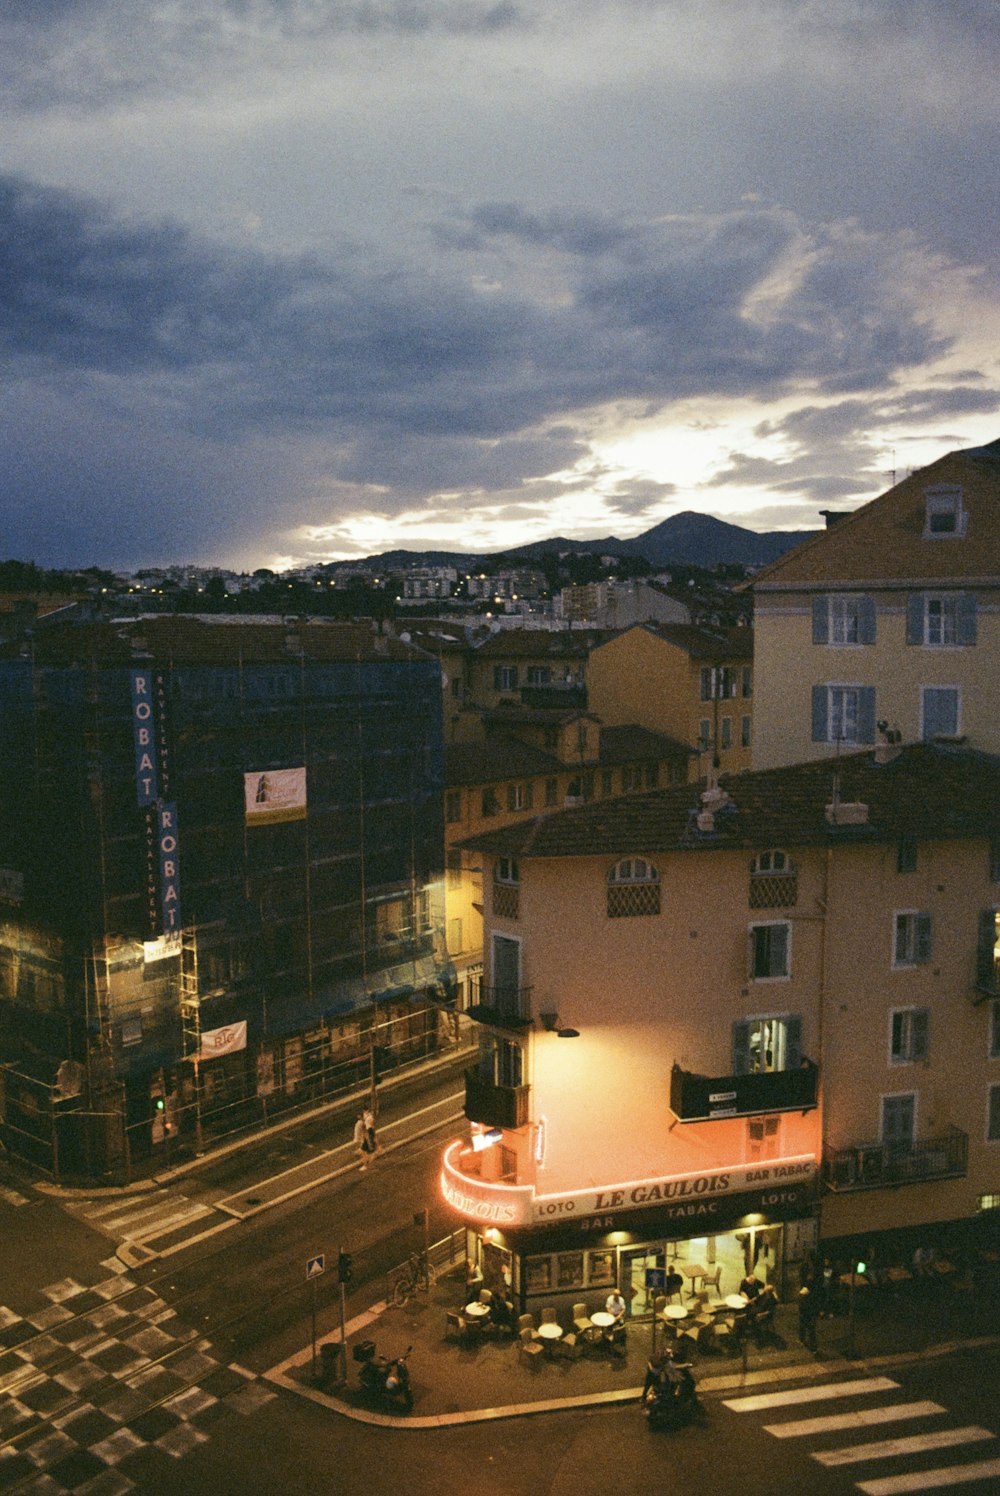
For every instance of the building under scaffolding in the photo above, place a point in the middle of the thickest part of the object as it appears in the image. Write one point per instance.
(221, 885)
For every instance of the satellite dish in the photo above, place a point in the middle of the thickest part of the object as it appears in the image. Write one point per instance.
(69, 1078)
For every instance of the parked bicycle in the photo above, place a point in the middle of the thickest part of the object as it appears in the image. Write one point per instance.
(415, 1276)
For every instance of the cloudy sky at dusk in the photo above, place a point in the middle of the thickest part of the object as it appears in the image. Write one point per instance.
(285, 281)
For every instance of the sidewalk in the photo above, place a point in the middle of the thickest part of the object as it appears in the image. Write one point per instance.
(463, 1383)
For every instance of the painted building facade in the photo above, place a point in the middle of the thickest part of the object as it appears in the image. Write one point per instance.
(718, 1028)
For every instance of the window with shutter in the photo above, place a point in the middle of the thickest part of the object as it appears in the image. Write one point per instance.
(769, 951)
(912, 939)
(908, 1037)
(988, 952)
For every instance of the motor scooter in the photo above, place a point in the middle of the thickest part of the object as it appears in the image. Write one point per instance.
(670, 1398)
(389, 1380)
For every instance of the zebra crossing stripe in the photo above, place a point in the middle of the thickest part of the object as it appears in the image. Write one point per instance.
(762, 1400)
(884, 1449)
(858, 1419)
(930, 1480)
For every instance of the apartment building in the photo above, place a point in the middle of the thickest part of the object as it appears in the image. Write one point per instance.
(719, 1026)
(892, 616)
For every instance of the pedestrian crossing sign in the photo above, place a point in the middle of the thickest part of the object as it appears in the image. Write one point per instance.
(316, 1265)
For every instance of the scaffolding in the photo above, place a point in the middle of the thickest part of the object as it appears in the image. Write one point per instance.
(191, 1021)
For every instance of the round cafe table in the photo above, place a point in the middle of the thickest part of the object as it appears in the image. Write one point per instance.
(676, 1311)
(736, 1301)
(550, 1333)
(477, 1309)
(602, 1319)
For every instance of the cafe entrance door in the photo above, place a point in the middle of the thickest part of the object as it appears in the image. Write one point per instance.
(632, 1278)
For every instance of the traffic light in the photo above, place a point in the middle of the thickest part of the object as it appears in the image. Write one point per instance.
(344, 1267)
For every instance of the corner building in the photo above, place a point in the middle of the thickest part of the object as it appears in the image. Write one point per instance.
(722, 1024)
(221, 878)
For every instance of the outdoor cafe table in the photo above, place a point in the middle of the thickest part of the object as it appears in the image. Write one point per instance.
(736, 1301)
(693, 1271)
(602, 1319)
(550, 1333)
(477, 1309)
(676, 1311)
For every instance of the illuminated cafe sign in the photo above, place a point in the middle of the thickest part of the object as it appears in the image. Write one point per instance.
(518, 1205)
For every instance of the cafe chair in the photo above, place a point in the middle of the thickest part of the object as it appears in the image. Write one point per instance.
(570, 1346)
(712, 1280)
(527, 1322)
(485, 1296)
(548, 1316)
(581, 1320)
(455, 1324)
(526, 1345)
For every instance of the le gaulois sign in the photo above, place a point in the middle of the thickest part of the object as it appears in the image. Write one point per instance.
(514, 1205)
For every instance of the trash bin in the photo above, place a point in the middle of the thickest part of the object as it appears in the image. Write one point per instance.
(329, 1355)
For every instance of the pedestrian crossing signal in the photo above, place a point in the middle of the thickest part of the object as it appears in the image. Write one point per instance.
(344, 1267)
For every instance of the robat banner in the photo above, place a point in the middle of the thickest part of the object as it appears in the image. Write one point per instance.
(274, 795)
(228, 1040)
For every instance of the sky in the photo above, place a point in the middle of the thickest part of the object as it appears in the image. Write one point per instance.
(291, 281)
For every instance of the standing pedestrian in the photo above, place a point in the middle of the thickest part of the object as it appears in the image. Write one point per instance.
(369, 1119)
(361, 1141)
(809, 1306)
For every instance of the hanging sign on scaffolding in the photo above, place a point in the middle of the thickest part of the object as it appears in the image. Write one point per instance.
(273, 795)
(226, 1040)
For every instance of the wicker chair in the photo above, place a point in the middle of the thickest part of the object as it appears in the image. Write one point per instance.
(527, 1345)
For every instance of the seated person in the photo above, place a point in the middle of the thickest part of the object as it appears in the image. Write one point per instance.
(673, 1283)
(760, 1313)
(502, 1313)
(615, 1305)
(750, 1286)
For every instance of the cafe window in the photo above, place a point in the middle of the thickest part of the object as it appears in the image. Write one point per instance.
(633, 888)
(600, 1269)
(569, 1270)
(538, 1275)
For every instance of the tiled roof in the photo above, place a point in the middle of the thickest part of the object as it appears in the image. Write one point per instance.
(705, 644)
(542, 644)
(500, 758)
(883, 542)
(929, 792)
(630, 744)
(203, 639)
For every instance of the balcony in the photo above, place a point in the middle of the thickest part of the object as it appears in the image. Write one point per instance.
(493, 1105)
(871, 1166)
(502, 1007)
(702, 1098)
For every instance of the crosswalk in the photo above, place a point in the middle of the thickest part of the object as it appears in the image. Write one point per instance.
(867, 1404)
(152, 1223)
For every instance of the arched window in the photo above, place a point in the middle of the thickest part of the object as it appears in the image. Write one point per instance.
(773, 880)
(506, 880)
(633, 888)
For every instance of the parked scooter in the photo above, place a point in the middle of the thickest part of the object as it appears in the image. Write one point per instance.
(389, 1380)
(670, 1397)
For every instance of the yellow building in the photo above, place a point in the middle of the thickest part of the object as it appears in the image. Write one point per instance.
(891, 616)
(719, 1028)
(527, 763)
(498, 668)
(692, 683)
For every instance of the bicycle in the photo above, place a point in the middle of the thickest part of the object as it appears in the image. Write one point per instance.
(417, 1274)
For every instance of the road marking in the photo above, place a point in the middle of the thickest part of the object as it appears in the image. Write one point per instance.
(895, 1412)
(929, 1480)
(756, 1402)
(883, 1449)
(153, 1217)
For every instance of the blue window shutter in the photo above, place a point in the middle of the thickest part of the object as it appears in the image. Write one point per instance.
(866, 620)
(923, 937)
(821, 620)
(986, 973)
(866, 714)
(741, 1047)
(915, 618)
(966, 618)
(819, 734)
(793, 1042)
(919, 1019)
(778, 965)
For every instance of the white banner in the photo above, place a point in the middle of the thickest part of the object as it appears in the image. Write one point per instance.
(223, 1040)
(275, 795)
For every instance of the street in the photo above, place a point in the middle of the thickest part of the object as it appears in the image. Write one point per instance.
(153, 1379)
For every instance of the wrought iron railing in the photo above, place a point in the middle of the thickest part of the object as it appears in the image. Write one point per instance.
(869, 1166)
